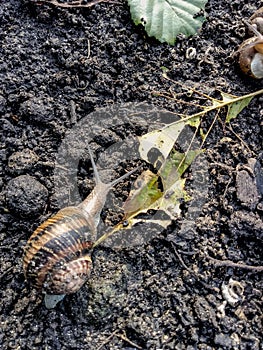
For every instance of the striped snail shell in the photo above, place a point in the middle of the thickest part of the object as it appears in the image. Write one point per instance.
(57, 257)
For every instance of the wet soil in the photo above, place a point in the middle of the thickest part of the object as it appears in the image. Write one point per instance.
(58, 66)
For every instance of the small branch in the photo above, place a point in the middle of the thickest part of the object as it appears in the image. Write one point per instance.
(229, 127)
(107, 340)
(72, 111)
(222, 165)
(218, 105)
(195, 275)
(230, 263)
(121, 336)
(210, 128)
(6, 272)
(78, 3)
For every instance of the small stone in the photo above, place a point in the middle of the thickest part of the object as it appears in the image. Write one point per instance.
(249, 183)
(25, 196)
(244, 223)
(247, 191)
(38, 109)
(223, 340)
(20, 162)
(2, 104)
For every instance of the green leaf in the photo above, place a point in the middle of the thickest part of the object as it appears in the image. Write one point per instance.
(182, 161)
(147, 195)
(165, 19)
(145, 192)
(194, 121)
(175, 166)
(171, 199)
(236, 107)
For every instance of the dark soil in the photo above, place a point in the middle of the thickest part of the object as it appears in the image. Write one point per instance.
(57, 67)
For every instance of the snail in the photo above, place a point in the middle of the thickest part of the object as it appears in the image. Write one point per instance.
(257, 20)
(57, 257)
(251, 54)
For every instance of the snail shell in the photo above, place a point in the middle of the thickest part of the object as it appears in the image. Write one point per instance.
(251, 55)
(56, 258)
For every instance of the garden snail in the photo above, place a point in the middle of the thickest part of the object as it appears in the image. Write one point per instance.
(251, 54)
(257, 20)
(57, 257)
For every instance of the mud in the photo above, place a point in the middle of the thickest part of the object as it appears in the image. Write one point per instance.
(58, 66)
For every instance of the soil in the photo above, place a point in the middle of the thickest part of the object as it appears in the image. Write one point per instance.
(198, 283)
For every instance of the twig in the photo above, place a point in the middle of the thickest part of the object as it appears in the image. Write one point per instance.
(78, 3)
(230, 263)
(107, 340)
(195, 275)
(229, 127)
(72, 111)
(222, 165)
(122, 336)
(88, 54)
(6, 272)
(210, 128)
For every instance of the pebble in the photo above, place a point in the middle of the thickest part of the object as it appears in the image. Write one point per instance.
(25, 196)
(20, 162)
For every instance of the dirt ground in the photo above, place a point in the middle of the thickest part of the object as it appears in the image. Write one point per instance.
(57, 67)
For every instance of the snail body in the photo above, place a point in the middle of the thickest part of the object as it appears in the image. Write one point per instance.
(57, 257)
(251, 54)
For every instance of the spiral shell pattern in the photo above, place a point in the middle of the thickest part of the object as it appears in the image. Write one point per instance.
(251, 57)
(56, 257)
